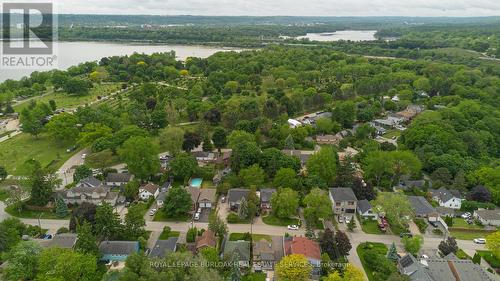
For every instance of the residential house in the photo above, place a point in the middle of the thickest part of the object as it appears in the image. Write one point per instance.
(306, 247)
(118, 179)
(343, 200)
(235, 195)
(406, 183)
(294, 123)
(224, 157)
(207, 239)
(303, 155)
(442, 269)
(149, 190)
(207, 198)
(117, 250)
(89, 182)
(445, 212)
(204, 157)
(329, 139)
(195, 193)
(267, 253)
(87, 194)
(365, 210)
(488, 217)
(241, 248)
(421, 207)
(265, 198)
(63, 240)
(160, 200)
(410, 112)
(163, 247)
(348, 151)
(447, 198)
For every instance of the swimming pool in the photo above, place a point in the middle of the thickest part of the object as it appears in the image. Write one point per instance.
(196, 182)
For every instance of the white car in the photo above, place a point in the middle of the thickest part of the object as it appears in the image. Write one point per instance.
(425, 257)
(466, 215)
(199, 210)
(196, 216)
(480, 241)
(84, 156)
(347, 220)
(341, 219)
(152, 212)
(293, 227)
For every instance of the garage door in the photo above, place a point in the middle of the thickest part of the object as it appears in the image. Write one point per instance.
(206, 205)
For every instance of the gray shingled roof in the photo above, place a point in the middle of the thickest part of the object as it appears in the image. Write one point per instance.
(235, 194)
(445, 194)
(118, 247)
(162, 247)
(421, 206)
(364, 206)
(489, 214)
(118, 177)
(240, 247)
(90, 182)
(63, 240)
(265, 194)
(340, 194)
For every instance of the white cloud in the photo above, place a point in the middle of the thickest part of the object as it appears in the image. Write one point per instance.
(283, 7)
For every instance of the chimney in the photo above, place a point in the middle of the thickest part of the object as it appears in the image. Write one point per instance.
(454, 270)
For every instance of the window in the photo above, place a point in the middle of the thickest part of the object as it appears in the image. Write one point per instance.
(350, 203)
(337, 204)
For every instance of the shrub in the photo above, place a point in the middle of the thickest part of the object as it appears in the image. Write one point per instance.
(422, 225)
(477, 258)
(62, 230)
(232, 218)
(191, 235)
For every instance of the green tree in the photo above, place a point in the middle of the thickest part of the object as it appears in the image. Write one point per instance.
(392, 254)
(244, 155)
(92, 132)
(177, 202)
(183, 166)
(413, 244)
(396, 206)
(141, 156)
(293, 268)
(238, 137)
(191, 141)
(31, 119)
(318, 205)
(325, 125)
(41, 184)
(207, 144)
(285, 202)
(81, 172)
(286, 177)
(61, 208)
(131, 190)
(323, 164)
(62, 128)
(252, 176)
(134, 222)
(235, 274)
(86, 242)
(344, 113)
(448, 246)
(77, 86)
(171, 139)
(107, 222)
(22, 261)
(351, 225)
(64, 264)
(217, 225)
(219, 138)
(191, 234)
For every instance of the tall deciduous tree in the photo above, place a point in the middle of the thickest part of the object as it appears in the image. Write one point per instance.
(107, 222)
(86, 242)
(285, 202)
(23, 261)
(219, 138)
(252, 176)
(342, 242)
(62, 128)
(171, 139)
(191, 141)
(183, 166)
(134, 222)
(396, 206)
(141, 156)
(323, 164)
(65, 264)
(293, 268)
(318, 205)
(177, 202)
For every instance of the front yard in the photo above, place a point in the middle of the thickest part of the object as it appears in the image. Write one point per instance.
(469, 234)
(370, 226)
(380, 248)
(161, 216)
(274, 220)
(245, 236)
(29, 214)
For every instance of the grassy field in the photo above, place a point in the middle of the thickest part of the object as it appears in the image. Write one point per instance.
(370, 227)
(490, 258)
(469, 234)
(165, 235)
(392, 133)
(27, 214)
(23, 147)
(381, 248)
(273, 220)
(64, 100)
(459, 222)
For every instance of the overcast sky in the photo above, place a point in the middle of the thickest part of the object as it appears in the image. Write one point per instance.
(284, 7)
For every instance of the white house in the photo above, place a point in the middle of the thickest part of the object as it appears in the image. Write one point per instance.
(365, 210)
(488, 217)
(149, 190)
(294, 123)
(447, 198)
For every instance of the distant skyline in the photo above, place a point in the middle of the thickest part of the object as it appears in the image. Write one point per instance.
(417, 8)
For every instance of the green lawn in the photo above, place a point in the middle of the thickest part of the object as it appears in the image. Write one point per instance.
(392, 133)
(4, 194)
(370, 227)
(27, 214)
(23, 147)
(165, 235)
(64, 100)
(241, 236)
(459, 222)
(469, 234)
(273, 220)
(254, 277)
(379, 247)
(490, 258)
(161, 216)
(462, 255)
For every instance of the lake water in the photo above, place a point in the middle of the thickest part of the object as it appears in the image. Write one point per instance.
(352, 35)
(73, 53)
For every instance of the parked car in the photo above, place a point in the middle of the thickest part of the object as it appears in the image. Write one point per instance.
(479, 241)
(84, 156)
(152, 212)
(199, 210)
(425, 257)
(197, 216)
(405, 234)
(347, 219)
(293, 227)
(466, 215)
(433, 223)
(223, 199)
